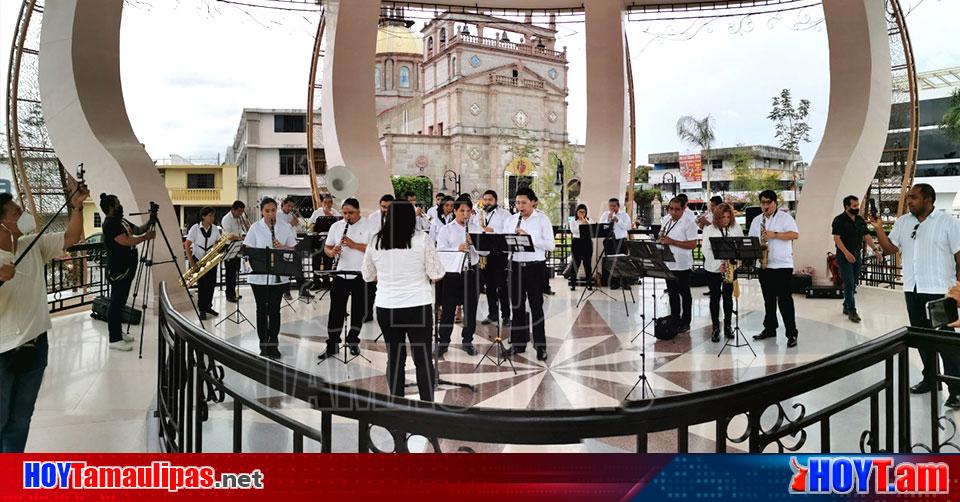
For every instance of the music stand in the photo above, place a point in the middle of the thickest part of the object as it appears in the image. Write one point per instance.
(323, 223)
(596, 231)
(233, 252)
(652, 259)
(346, 359)
(493, 242)
(277, 262)
(739, 249)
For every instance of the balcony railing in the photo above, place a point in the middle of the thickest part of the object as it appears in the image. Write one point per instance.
(516, 82)
(195, 194)
(509, 46)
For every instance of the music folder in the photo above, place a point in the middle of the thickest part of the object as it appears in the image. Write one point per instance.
(502, 242)
(735, 248)
(597, 230)
(323, 223)
(282, 262)
(649, 250)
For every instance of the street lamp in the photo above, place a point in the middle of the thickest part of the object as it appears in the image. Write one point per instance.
(453, 177)
(558, 182)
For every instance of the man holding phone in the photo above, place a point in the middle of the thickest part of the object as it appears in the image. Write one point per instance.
(929, 244)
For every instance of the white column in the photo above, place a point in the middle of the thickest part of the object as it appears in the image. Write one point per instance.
(350, 134)
(856, 127)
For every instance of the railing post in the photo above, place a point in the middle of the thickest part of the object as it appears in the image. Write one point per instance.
(903, 401)
(721, 434)
(326, 443)
(641, 442)
(935, 409)
(825, 435)
(888, 410)
(753, 422)
(683, 439)
(875, 423)
(363, 437)
(237, 426)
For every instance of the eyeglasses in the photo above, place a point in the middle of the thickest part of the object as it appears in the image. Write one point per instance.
(914, 234)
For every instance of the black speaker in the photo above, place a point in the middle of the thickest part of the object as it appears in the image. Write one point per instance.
(830, 292)
(664, 328)
(751, 213)
(800, 283)
(101, 308)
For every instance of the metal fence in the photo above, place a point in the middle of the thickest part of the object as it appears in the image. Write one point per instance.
(74, 281)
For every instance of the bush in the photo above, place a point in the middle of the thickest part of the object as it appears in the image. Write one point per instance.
(420, 185)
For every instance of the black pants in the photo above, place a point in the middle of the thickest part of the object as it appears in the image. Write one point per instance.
(119, 290)
(268, 312)
(495, 278)
(582, 255)
(232, 271)
(342, 289)
(415, 324)
(526, 285)
(917, 311)
(718, 290)
(205, 286)
(678, 290)
(775, 286)
(371, 297)
(611, 247)
(460, 289)
(321, 262)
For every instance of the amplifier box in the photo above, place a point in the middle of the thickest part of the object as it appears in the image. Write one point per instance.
(800, 283)
(831, 292)
(101, 307)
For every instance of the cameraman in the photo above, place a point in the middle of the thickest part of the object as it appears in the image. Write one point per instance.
(24, 315)
(120, 239)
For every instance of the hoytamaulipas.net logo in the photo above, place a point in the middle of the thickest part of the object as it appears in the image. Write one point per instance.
(878, 475)
(159, 475)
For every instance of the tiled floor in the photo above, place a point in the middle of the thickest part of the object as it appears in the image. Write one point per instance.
(97, 400)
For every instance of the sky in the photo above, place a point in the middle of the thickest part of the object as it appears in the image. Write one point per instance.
(189, 67)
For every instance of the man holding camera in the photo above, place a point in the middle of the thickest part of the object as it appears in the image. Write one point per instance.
(929, 245)
(24, 314)
(120, 240)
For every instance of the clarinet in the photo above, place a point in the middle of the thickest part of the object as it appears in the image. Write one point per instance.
(466, 240)
(273, 238)
(336, 261)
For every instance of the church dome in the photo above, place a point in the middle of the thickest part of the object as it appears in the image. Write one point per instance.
(393, 38)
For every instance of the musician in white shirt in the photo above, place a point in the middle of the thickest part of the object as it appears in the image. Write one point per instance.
(326, 209)
(234, 223)
(288, 213)
(269, 232)
(680, 233)
(201, 237)
(614, 245)
(582, 247)
(403, 262)
(778, 229)
(423, 221)
(444, 216)
(320, 259)
(461, 283)
(432, 212)
(493, 219)
(724, 225)
(375, 222)
(347, 242)
(528, 272)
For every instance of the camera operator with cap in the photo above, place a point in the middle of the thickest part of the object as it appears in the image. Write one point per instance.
(24, 315)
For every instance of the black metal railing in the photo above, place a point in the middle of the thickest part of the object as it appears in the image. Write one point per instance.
(192, 363)
(882, 271)
(73, 281)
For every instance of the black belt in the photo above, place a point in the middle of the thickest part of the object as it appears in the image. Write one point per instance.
(523, 264)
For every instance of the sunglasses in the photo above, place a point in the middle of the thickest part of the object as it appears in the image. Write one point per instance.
(914, 234)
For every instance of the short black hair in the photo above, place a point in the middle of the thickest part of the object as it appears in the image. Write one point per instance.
(326, 196)
(717, 200)
(493, 193)
(678, 200)
(528, 193)
(4, 198)
(267, 200)
(683, 198)
(387, 198)
(769, 195)
(926, 191)
(464, 196)
(614, 200)
(409, 193)
(289, 199)
(238, 204)
(107, 202)
(439, 194)
(205, 211)
(462, 202)
(398, 227)
(848, 200)
(351, 202)
(581, 206)
(446, 198)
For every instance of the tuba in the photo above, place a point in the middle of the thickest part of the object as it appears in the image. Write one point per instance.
(209, 262)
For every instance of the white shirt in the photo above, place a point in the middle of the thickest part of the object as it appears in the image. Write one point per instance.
(496, 219)
(687, 213)
(453, 234)
(779, 251)
(541, 232)
(200, 243)
(285, 217)
(432, 213)
(403, 275)
(621, 226)
(374, 221)
(423, 223)
(684, 229)
(24, 314)
(350, 259)
(438, 223)
(259, 237)
(928, 259)
(320, 212)
(574, 225)
(231, 225)
(711, 264)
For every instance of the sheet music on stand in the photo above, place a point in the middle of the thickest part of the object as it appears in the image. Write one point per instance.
(736, 248)
(323, 223)
(279, 262)
(650, 250)
(234, 250)
(452, 260)
(597, 230)
(517, 243)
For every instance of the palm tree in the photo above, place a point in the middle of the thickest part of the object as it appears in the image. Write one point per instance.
(699, 133)
(950, 124)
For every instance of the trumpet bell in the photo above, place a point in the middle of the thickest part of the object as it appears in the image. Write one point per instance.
(342, 182)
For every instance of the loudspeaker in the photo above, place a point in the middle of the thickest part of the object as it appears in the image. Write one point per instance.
(699, 278)
(800, 283)
(751, 213)
(101, 308)
(831, 292)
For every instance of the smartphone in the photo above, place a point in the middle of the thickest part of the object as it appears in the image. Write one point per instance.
(873, 209)
(942, 312)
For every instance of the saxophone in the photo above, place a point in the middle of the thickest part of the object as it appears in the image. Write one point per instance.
(764, 248)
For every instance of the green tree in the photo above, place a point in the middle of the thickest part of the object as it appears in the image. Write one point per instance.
(750, 179)
(950, 123)
(420, 185)
(790, 123)
(699, 133)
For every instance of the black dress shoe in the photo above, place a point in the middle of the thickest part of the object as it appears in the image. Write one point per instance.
(923, 387)
(541, 354)
(332, 349)
(469, 349)
(716, 335)
(442, 349)
(683, 329)
(274, 353)
(728, 332)
(792, 341)
(765, 334)
(354, 349)
(516, 349)
(953, 401)
(212, 312)
(203, 316)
